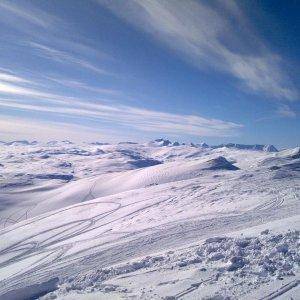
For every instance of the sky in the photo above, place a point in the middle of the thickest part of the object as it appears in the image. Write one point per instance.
(201, 71)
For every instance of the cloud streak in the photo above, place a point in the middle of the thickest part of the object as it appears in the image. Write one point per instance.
(16, 86)
(131, 117)
(38, 32)
(71, 83)
(215, 34)
(27, 97)
(65, 58)
(6, 77)
(30, 15)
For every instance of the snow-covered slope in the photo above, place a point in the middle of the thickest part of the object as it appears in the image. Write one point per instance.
(148, 221)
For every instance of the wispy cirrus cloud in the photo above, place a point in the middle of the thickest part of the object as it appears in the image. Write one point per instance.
(28, 13)
(16, 90)
(72, 83)
(214, 34)
(38, 32)
(65, 57)
(16, 86)
(131, 117)
(139, 119)
(6, 77)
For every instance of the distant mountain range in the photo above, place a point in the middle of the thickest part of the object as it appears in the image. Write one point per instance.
(159, 142)
(265, 148)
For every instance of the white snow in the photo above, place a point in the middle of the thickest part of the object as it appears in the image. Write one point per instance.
(148, 221)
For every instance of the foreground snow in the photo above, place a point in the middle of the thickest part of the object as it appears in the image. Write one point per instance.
(148, 221)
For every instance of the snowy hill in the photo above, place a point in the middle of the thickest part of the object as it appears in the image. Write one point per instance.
(159, 220)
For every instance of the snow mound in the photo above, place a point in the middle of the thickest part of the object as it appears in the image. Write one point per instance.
(233, 261)
(241, 254)
(219, 163)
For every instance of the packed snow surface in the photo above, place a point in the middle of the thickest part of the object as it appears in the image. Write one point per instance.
(160, 220)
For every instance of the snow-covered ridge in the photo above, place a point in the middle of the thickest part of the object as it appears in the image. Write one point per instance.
(148, 221)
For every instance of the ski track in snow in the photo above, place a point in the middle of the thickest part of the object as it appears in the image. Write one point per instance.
(138, 220)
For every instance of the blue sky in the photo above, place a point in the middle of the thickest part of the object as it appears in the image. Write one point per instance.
(214, 71)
